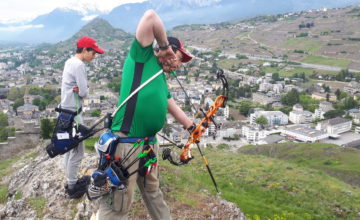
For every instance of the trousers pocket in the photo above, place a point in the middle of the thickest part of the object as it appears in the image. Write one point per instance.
(119, 199)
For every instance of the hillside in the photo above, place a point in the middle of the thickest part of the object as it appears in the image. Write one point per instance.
(325, 37)
(263, 187)
(342, 163)
(32, 187)
(106, 35)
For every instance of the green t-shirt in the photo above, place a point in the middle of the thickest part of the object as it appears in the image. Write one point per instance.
(144, 114)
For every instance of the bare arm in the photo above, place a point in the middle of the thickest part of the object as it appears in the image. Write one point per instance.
(178, 113)
(149, 28)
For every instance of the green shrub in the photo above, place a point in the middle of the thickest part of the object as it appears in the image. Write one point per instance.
(3, 193)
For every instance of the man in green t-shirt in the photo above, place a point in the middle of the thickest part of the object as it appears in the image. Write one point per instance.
(144, 114)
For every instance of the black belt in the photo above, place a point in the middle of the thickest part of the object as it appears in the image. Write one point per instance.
(135, 139)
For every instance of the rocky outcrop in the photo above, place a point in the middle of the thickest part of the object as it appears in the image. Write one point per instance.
(41, 183)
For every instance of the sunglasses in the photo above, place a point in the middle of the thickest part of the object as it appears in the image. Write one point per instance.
(174, 47)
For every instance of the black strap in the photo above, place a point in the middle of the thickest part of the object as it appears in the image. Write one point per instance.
(131, 104)
(59, 109)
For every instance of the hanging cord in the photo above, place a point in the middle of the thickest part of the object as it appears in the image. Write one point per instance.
(77, 109)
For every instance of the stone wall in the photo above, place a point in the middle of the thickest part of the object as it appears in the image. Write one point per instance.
(28, 138)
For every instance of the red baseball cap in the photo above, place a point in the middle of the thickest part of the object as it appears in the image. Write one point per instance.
(89, 42)
(178, 45)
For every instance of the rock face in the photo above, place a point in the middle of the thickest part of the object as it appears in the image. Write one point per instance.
(41, 183)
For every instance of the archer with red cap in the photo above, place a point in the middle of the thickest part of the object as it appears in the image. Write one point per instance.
(74, 88)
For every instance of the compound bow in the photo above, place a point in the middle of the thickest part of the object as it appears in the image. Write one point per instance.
(195, 135)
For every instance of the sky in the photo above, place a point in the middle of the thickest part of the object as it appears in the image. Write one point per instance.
(12, 11)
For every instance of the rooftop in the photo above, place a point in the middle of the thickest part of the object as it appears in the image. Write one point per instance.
(304, 130)
(336, 121)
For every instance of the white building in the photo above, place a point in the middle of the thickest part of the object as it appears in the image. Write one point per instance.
(304, 133)
(273, 117)
(228, 132)
(324, 107)
(298, 107)
(335, 125)
(91, 99)
(226, 111)
(264, 87)
(278, 88)
(355, 114)
(252, 133)
(299, 116)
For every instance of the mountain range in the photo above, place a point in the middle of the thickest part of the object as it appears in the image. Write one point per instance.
(61, 24)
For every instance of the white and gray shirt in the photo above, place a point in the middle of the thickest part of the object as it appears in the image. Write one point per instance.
(74, 74)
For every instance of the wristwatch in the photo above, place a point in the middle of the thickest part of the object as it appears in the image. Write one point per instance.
(191, 128)
(164, 47)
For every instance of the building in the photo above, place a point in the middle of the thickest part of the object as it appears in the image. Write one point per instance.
(298, 107)
(352, 88)
(265, 87)
(252, 133)
(335, 125)
(28, 99)
(28, 111)
(226, 111)
(265, 99)
(355, 114)
(304, 133)
(278, 88)
(324, 107)
(273, 117)
(300, 117)
(92, 99)
(289, 87)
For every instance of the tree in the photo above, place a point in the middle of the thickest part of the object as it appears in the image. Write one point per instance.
(343, 95)
(46, 128)
(326, 88)
(114, 85)
(327, 96)
(342, 75)
(3, 134)
(245, 108)
(96, 113)
(18, 102)
(291, 98)
(334, 113)
(275, 77)
(338, 93)
(167, 129)
(350, 103)
(262, 120)
(214, 68)
(3, 120)
(40, 103)
(15, 93)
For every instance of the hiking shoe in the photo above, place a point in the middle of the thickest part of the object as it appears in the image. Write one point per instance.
(79, 189)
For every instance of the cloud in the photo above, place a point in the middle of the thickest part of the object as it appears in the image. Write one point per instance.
(20, 27)
(89, 17)
(12, 11)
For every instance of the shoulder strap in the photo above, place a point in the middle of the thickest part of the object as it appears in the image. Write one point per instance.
(136, 90)
(131, 95)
